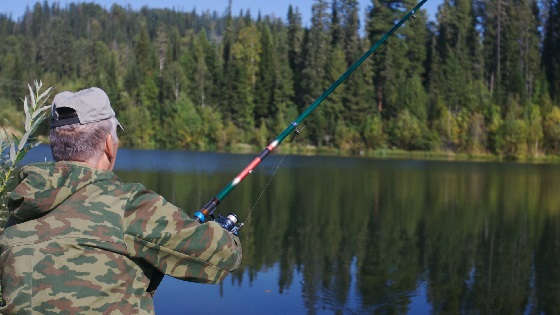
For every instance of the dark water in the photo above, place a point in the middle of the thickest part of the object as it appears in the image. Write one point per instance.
(353, 236)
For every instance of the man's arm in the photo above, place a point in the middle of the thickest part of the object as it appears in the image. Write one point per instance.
(167, 238)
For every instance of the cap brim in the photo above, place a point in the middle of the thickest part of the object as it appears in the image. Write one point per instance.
(119, 124)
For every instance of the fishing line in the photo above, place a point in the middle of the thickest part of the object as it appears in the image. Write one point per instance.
(269, 182)
(265, 188)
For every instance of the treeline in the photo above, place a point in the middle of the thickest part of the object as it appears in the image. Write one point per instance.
(483, 78)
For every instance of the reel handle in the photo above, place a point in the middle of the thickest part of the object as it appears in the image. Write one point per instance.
(228, 223)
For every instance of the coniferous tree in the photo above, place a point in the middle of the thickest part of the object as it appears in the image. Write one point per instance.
(245, 61)
(314, 75)
(226, 79)
(201, 79)
(381, 15)
(494, 23)
(264, 90)
(358, 93)
(551, 58)
(401, 57)
(524, 52)
(295, 46)
(283, 109)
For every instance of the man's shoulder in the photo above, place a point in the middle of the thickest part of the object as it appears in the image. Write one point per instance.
(78, 175)
(130, 192)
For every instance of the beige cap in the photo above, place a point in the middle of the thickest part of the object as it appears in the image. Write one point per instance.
(83, 107)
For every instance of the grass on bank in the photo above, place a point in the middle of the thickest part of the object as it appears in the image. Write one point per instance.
(392, 153)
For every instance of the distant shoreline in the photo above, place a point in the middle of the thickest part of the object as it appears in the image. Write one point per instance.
(440, 155)
(386, 153)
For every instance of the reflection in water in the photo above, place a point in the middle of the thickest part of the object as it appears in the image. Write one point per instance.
(374, 236)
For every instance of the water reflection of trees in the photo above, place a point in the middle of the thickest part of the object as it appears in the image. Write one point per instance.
(485, 238)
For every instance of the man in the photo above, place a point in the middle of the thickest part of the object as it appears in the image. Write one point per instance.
(79, 240)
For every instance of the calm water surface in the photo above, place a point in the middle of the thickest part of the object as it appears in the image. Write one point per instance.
(352, 236)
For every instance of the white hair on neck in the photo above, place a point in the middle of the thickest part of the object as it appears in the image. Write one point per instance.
(81, 143)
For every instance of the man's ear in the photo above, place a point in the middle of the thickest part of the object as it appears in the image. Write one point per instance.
(110, 148)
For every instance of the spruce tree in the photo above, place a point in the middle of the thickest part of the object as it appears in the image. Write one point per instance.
(314, 76)
(333, 107)
(264, 90)
(551, 58)
(295, 46)
(390, 64)
(454, 62)
(381, 16)
(201, 80)
(144, 55)
(283, 106)
(524, 51)
(494, 19)
(245, 62)
(358, 91)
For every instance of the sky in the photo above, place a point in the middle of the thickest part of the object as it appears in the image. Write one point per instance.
(278, 8)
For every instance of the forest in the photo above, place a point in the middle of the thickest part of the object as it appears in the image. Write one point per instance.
(482, 79)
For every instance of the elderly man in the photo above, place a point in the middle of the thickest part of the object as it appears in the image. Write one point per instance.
(79, 240)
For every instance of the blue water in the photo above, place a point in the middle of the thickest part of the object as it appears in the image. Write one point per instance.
(328, 235)
(261, 296)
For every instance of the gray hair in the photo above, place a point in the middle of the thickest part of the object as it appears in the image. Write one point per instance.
(78, 142)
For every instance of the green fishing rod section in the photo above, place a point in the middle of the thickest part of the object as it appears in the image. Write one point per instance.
(206, 212)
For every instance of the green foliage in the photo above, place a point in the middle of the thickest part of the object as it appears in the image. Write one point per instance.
(11, 117)
(495, 122)
(476, 137)
(454, 80)
(139, 125)
(246, 56)
(261, 136)
(551, 47)
(414, 97)
(448, 129)
(187, 125)
(211, 129)
(345, 138)
(514, 137)
(552, 128)
(534, 130)
(408, 131)
(373, 132)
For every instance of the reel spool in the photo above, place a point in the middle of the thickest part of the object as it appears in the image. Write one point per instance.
(229, 223)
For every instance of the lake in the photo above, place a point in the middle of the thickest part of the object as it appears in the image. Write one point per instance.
(328, 235)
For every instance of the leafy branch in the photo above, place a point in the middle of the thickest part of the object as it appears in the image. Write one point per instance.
(14, 148)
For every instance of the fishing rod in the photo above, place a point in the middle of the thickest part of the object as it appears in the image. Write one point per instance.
(230, 222)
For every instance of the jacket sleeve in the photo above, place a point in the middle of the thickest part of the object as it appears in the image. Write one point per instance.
(167, 238)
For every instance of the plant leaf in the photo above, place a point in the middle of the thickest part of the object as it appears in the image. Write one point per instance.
(40, 111)
(32, 96)
(36, 124)
(13, 152)
(44, 94)
(1, 146)
(27, 114)
(23, 140)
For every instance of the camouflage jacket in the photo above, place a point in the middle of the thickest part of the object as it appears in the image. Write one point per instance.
(80, 241)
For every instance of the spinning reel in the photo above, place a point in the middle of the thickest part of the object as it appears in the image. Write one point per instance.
(229, 222)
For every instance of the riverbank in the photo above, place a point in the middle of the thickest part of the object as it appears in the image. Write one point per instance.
(309, 150)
